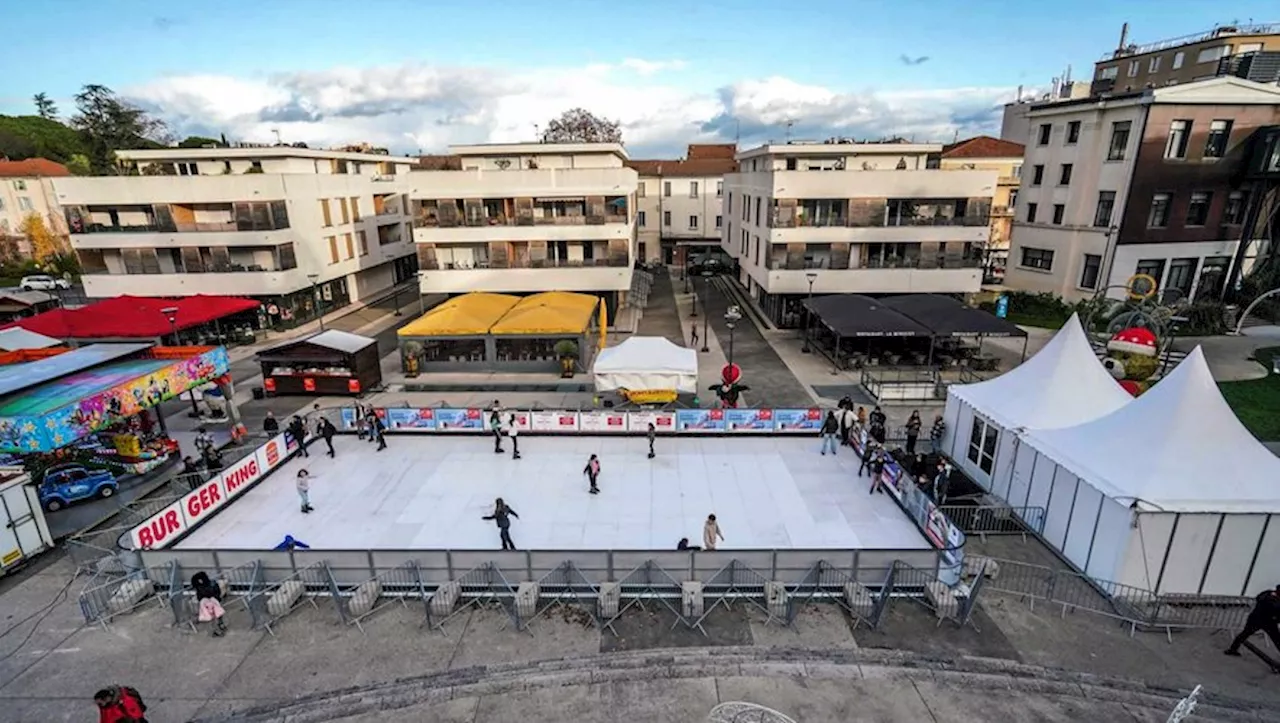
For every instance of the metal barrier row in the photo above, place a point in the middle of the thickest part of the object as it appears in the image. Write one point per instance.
(996, 519)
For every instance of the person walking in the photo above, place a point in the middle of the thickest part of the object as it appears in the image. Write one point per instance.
(209, 602)
(592, 471)
(694, 344)
(913, 431)
(935, 434)
(298, 431)
(495, 426)
(271, 425)
(513, 432)
(120, 704)
(303, 484)
(711, 533)
(830, 427)
(327, 430)
(1264, 616)
(501, 516)
(652, 434)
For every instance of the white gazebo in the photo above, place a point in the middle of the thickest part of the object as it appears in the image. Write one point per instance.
(647, 363)
(1063, 385)
(1169, 493)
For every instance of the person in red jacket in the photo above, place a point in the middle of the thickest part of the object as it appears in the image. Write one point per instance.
(120, 704)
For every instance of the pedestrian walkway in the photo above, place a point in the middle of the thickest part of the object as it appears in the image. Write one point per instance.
(661, 317)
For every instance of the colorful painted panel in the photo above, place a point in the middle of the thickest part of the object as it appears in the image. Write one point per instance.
(56, 414)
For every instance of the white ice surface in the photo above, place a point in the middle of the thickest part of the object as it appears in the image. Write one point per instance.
(430, 493)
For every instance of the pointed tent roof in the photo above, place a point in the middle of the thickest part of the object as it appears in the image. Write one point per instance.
(1061, 386)
(1177, 448)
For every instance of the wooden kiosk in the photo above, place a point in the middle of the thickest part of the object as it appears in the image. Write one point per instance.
(327, 364)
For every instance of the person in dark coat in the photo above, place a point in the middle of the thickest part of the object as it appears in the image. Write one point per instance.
(327, 430)
(652, 433)
(592, 471)
(207, 590)
(501, 516)
(495, 426)
(120, 704)
(876, 423)
(1264, 616)
(378, 430)
(913, 431)
(683, 545)
(298, 431)
(876, 467)
(271, 425)
(830, 428)
(868, 454)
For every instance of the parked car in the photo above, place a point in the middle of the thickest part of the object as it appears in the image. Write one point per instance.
(70, 483)
(42, 282)
(711, 264)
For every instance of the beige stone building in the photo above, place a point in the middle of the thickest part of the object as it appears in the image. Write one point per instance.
(26, 188)
(680, 203)
(1004, 157)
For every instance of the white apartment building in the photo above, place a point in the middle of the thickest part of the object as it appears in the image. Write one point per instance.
(680, 203)
(866, 218)
(302, 230)
(528, 217)
(1143, 183)
(26, 188)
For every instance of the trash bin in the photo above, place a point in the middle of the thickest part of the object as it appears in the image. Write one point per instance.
(259, 393)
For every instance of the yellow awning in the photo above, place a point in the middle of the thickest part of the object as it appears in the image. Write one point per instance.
(467, 315)
(552, 312)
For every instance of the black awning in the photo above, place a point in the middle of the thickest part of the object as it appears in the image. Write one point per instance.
(855, 315)
(946, 316)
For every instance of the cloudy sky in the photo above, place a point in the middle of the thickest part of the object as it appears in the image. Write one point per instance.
(420, 75)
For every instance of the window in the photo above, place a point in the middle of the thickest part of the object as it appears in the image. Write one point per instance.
(666, 218)
(1133, 68)
(1154, 65)
(1037, 175)
(693, 189)
(728, 204)
(364, 243)
(757, 211)
(982, 444)
(20, 185)
(1059, 210)
(324, 211)
(333, 249)
(1046, 129)
(1159, 215)
(1106, 203)
(1150, 267)
(1065, 178)
(1119, 140)
(1073, 132)
(1233, 212)
(1090, 270)
(1182, 273)
(719, 189)
(1013, 198)
(1215, 146)
(719, 221)
(666, 188)
(1037, 258)
(1212, 55)
(640, 218)
(1031, 212)
(24, 204)
(1178, 59)
(1109, 73)
(640, 192)
(344, 210)
(351, 246)
(1198, 208)
(1179, 135)
(693, 223)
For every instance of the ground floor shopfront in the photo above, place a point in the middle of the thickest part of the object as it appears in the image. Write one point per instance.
(285, 311)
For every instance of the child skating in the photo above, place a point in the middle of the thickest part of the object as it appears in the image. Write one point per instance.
(303, 484)
(592, 471)
(652, 433)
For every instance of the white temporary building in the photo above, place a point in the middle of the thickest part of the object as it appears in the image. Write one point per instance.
(647, 362)
(1063, 385)
(1169, 493)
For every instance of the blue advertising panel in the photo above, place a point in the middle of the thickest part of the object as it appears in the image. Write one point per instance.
(700, 420)
(459, 420)
(408, 419)
(748, 420)
(797, 420)
(348, 417)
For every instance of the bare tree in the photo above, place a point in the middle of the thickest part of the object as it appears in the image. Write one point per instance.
(580, 125)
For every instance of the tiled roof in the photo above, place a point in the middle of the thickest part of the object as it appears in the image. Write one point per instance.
(32, 168)
(699, 151)
(984, 147)
(690, 168)
(439, 163)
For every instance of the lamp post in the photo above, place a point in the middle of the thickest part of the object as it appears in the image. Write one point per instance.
(422, 303)
(812, 276)
(706, 317)
(315, 298)
(731, 318)
(171, 313)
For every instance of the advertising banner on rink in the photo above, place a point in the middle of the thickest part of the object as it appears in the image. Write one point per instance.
(696, 421)
(405, 419)
(748, 420)
(554, 421)
(460, 420)
(348, 418)
(611, 422)
(796, 421)
(663, 422)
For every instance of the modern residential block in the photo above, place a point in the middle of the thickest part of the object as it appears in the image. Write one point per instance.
(1005, 157)
(528, 217)
(1251, 52)
(303, 230)
(26, 188)
(681, 203)
(1149, 183)
(868, 218)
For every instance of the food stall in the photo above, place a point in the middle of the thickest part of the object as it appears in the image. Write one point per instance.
(329, 363)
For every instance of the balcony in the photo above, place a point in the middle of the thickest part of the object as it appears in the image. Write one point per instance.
(178, 218)
(592, 211)
(1001, 211)
(434, 265)
(188, 260)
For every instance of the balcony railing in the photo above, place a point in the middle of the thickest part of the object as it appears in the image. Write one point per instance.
(524, 220)
(434, 265)
(226, 269)
(880, 222)
(213, 227)
(915, 262)
(821, 222)
(982, 220)
(1002, 210)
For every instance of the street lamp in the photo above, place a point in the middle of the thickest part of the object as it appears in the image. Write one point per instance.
(706, 317)
(812, 276)
(422, 303)
(171, 313)
(315, 298)
(731, 318)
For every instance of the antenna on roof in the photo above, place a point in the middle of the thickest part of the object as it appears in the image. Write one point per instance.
(277, 132)
(737, 131)
(537, 133)
(789, 123)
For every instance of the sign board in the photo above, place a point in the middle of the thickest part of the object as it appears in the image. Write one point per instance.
(237, 478)
(461, 420)
(748, 420)
(200, 504)
(796, 421)
(407, 419)
(160, 529)
(554, 421)
(602, 421)
(663, 422)
(700, 420)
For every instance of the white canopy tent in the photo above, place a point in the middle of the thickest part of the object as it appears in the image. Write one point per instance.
(1169, 493)
(647, 362)
(1063, 385)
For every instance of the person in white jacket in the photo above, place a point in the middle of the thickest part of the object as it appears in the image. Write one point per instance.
(303, 484)
(513, 431)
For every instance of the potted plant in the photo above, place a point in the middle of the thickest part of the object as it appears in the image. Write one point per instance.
(567, 350)
(411, 352)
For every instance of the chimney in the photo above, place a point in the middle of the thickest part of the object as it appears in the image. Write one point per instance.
(1067, 81)
(1019, 99)
(1124, 36)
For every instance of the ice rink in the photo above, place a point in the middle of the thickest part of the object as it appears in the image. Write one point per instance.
(430, 492)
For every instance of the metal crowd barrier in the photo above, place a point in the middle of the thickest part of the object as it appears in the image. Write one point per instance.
(996, 519)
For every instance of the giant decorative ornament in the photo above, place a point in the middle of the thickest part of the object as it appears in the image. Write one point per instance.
(1131, 358)
(730, 387)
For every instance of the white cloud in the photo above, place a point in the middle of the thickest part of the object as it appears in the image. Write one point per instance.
(412, 107)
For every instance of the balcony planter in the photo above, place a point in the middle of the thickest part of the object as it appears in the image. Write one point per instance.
(567, 350)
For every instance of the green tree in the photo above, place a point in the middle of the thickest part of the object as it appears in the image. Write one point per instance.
(45, 108)
(30, 136)
(79, 165)
(109, 123)
(580, 125)
(198, 142)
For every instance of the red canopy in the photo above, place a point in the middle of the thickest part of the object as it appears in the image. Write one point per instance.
(133, 317)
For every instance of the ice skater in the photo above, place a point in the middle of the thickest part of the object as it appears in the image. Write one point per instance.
(652, 434)
(289, 544)
(326, 430)
(303, 485)
(501, 516)
(298, 431)
(868, 454)
(876, 467)
(830, 428)
(495, 426)
(513, 432)
(209, 602)
(592, 471)
(378, 430)
(847, 421)
(711, 533)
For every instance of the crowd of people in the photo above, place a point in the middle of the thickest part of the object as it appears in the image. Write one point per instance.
(867, 435)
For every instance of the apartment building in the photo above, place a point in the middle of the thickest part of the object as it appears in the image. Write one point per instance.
(528, 217)
(1251, 52)
(848, 217)
(680, 203)
(1016, 126)
(1004, 157)
(1151, 182)
(305, 231)
(26, 188)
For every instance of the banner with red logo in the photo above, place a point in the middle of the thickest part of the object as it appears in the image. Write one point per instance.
(553, 421)
(602, 421)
